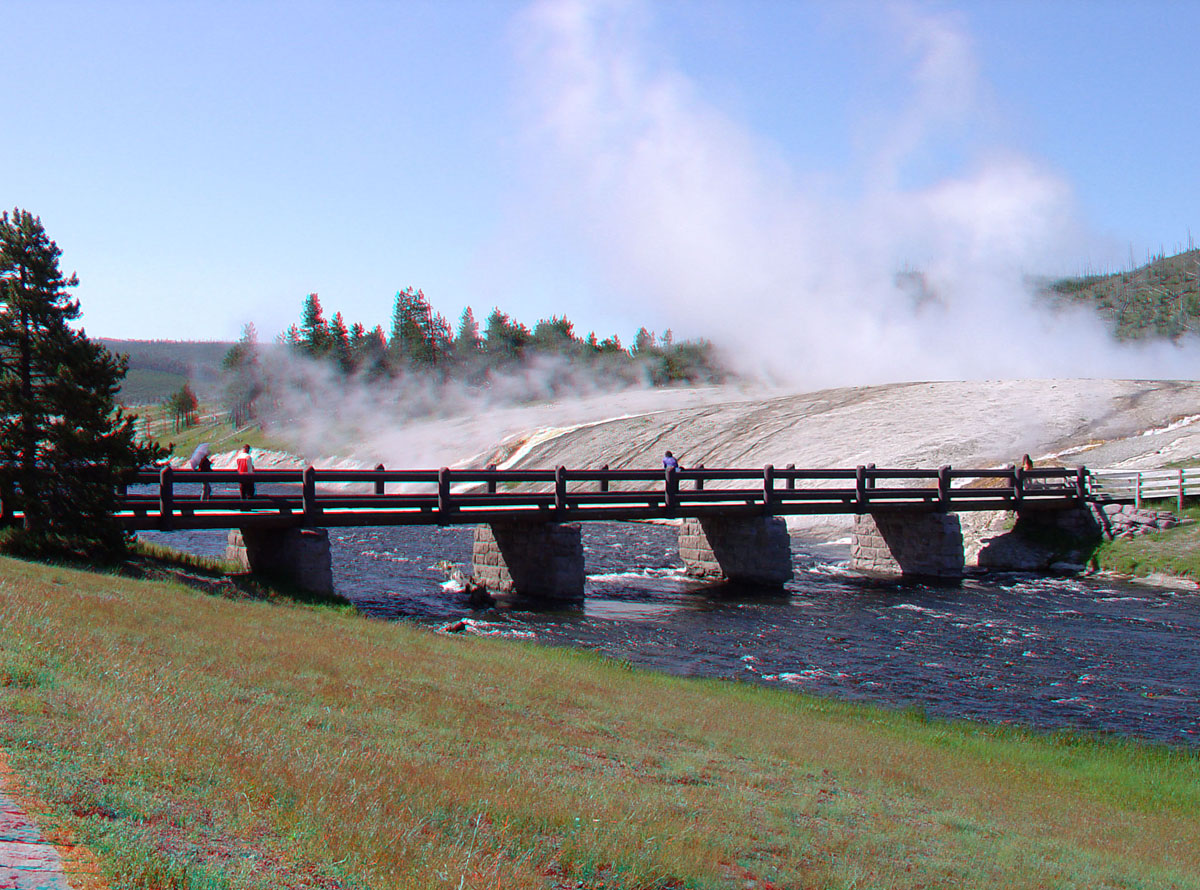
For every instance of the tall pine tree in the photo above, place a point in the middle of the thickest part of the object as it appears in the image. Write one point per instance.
(64, 443)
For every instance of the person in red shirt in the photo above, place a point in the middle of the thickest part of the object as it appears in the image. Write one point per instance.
(245, 467)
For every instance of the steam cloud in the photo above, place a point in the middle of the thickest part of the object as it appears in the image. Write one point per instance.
(419, 422)
(796, 282)
(711, 222)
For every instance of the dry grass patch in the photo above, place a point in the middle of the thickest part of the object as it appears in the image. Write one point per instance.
(196, 741)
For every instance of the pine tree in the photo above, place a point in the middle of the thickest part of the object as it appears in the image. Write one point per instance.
(506, 339)
(184, 407)
(466, 341)
(370, 355)
(410, 320)
(245, 381)
(339, 342)
(64, 443)
(314, 330)
(554, 334)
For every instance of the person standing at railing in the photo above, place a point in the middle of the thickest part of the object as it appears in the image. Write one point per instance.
(670, 463)
(202, 462)
(205, 466)
(245, 467)
(1026, 467)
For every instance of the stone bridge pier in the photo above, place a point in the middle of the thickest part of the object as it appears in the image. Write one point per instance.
(536, 560)
(544, 560)
(908, 542)
(748, 550)
(299, 556)
(937, 545)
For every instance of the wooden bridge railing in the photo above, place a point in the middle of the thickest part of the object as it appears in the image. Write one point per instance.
(168, 498)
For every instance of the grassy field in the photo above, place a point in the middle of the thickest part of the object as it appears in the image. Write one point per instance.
(155, 422)
(196, 741)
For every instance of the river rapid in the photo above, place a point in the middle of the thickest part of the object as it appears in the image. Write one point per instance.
(1053, 653)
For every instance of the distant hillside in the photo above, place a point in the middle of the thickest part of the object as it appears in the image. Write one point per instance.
(158, 368)
(1159, 299)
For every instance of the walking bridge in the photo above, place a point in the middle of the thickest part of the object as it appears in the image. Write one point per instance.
(527, 538)
(170, 499)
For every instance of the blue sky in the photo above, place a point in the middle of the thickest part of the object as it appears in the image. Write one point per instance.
(706, 166)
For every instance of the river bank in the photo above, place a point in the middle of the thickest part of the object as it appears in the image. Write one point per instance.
(250, 744)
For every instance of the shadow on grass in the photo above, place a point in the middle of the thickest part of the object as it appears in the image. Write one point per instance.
(157, 562)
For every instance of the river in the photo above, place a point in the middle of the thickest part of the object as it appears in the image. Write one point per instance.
(1093, 654)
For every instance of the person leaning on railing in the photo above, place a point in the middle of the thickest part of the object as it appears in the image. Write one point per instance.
(245, 467)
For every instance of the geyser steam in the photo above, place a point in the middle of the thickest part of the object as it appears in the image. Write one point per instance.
(710, 222)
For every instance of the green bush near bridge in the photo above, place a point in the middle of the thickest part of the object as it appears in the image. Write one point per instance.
(199, 741)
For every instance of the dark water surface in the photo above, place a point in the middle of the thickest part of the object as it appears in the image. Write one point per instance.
(1047, 652)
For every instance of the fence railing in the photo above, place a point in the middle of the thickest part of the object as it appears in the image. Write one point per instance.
(170, 498)
(1144, 485)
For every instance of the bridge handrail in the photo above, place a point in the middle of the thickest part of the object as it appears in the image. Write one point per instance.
(1145, 485)
(152, 476)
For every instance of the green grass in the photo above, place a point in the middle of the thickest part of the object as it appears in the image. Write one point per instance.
(154, 422)
(1174, 551)
(201, 742)
(165, 555)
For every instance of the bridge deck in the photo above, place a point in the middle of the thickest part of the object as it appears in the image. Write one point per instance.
(171, 499)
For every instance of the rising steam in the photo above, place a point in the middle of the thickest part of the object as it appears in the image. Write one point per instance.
(712, 223)
(888, 278)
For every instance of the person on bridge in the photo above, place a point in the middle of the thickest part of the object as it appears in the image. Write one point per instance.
(670, 463)
(245, 467)
(1026, 466)
(202, 462)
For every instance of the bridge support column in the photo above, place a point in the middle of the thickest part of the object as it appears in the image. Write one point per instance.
(908, 543)
(538, 560)
(749, 550)
(299, 556)
(1041, 540)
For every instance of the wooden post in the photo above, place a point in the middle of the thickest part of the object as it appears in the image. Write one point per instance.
(1137, 492)
(1081, 485)
(1018, 479)
(308, 495)
(166, 498)
(1180, 500)
(444, 504)
(560, 487)
(491, 483)
(604, 482)
(379, 482)
(943, 484)
(791, 480)
(768, 487)
(700, 479)
(870, 475)
(860, 488)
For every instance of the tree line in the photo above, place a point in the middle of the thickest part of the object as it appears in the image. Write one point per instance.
(421, 343)
(421, 340)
